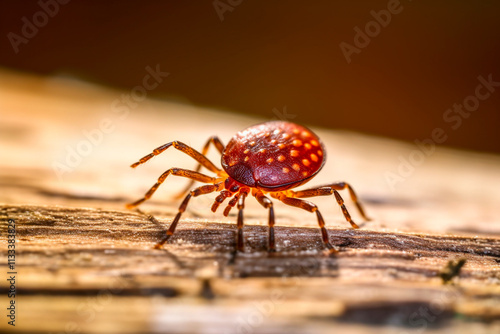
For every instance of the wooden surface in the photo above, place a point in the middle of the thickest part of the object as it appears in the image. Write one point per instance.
(85, 264)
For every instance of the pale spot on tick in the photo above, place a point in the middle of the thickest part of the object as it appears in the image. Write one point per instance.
(296, 167)
(270, 160)
(262, 150)
(246, 159)
(281, 146)
(306, 134)
(286, 136)
(285, 170)
(246, 151)
(296, 131)
(314, 142)
(306, 162)
(297, 142)
(320, 153)
(232, 163)
(252, 143)
(273, 141)
(314, 157)
(294, 153)
(304, 173)
(307, 146)
(281, 158)
(277, 131)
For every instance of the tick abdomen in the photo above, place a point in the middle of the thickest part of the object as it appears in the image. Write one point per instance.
(273, 155)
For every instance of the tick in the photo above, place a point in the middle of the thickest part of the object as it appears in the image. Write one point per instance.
(264, 160)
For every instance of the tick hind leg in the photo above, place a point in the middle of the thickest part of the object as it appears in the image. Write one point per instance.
(332, 189)
(311, 207)
(218, 145)
(354, 197)
(174, 171)
(206, 189)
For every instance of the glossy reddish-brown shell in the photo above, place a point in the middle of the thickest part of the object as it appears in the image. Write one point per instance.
(273, 156)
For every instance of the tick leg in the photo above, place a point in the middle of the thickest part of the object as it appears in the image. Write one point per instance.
(311, 207)
(174, 171)
(354, 197)
(218, 145)
(234, 200)
(220, 199)
(331, 189)
(206, 189)
(183, 148)
(266, 203)
(241, 205)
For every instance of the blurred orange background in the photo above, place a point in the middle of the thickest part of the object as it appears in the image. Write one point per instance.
(254, 57)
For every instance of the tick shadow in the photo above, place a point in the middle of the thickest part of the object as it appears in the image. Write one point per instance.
(289, 264)
(299, 254)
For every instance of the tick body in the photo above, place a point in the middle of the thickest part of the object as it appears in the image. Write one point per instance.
(267, 159)
(273, 156)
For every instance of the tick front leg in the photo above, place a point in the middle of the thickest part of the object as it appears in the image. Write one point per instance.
(201, 158)
(218, 145)
(206, 189)
(174, 171)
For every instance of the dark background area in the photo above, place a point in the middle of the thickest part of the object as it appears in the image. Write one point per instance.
(270, 54)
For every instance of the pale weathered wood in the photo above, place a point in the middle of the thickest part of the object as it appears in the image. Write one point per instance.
(86, 264)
